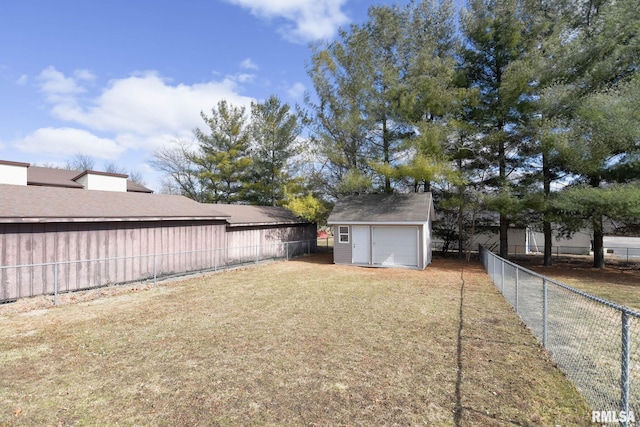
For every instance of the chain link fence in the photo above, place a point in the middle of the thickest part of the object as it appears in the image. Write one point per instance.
(27, 280)
(594, 341)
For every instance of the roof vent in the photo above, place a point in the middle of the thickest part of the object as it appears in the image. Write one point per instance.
(103, 181)
(13, 173)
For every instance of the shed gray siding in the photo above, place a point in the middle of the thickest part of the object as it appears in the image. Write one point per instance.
(342, 252)
(38, 243)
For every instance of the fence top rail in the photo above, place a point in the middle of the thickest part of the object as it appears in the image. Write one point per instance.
(603, 301)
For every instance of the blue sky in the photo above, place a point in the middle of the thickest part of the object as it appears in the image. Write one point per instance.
(119, 79)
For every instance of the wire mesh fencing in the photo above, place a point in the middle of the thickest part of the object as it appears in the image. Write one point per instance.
(594, 341)
(53, 278)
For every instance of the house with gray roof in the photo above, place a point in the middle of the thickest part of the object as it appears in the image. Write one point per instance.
(383, 230)
(77, 230)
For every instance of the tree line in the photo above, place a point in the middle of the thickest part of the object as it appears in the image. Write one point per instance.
(511, 112)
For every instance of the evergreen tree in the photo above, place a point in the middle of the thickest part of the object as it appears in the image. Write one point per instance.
(223, 160)
(381, 88)
(603, 149)
(589, 100)
(339, 128)
(498, 37)
(274, 131)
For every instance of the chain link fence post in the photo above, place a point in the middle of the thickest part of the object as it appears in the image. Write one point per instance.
(55, 283)
(624, 373)
(544, 313)
(517, 285)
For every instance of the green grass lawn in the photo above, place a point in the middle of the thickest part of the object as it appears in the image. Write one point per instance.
(302, 342)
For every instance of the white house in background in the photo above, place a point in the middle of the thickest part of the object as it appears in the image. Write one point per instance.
(383, 230)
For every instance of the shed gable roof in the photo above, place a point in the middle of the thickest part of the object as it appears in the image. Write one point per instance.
(388, 208)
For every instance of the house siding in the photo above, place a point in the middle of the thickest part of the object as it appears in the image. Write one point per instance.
(102, 247)
(247, 243)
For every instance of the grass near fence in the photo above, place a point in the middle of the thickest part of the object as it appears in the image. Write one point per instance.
(619, 283)
(303, 342)
(583, 336)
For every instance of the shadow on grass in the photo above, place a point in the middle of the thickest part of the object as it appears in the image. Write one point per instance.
(457, 411)
(317, 258)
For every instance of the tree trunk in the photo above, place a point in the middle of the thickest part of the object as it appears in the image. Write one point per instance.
(504, 221)
(460, 231)
(460, 213)
(546, 225)
(598, 243)
(386, 147)
(548, 254)
(598, 234)
(504, 240)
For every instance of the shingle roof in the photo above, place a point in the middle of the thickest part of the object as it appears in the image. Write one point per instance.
(54, 204)
(389, 208)
(257, 215)
(52, 177)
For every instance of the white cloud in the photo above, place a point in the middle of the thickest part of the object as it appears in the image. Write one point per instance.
(248, 64)
(23, 80)
(84, 75)
(244, 78)
(66, 142)
(133, 115)
(57, 87)
(308, 19)
(147, 105)
(296, 91)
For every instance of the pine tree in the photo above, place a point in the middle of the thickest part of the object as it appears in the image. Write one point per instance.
(591, 97)
(223, 160)
(274, 133)
(498, 37)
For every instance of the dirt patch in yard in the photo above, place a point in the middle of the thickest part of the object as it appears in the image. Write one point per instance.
(303, 342)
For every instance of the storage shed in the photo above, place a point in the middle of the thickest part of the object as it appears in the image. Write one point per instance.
(383, 230)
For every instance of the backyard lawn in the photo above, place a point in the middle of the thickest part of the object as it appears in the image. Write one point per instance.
(303, 342)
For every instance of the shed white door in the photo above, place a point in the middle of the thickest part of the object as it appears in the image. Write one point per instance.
(360, 244)
(395, 246)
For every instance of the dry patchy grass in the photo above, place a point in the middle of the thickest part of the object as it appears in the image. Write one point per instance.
(303, 342)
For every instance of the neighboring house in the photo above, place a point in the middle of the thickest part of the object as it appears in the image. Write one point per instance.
(90, 180)
(618, 243)
(383, 230)
(55, 218)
